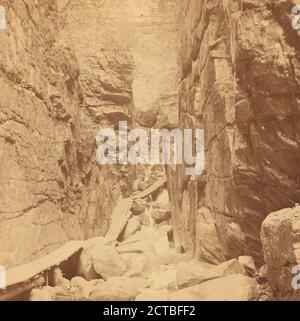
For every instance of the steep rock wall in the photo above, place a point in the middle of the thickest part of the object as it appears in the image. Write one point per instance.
(51, 189)
(240, 82)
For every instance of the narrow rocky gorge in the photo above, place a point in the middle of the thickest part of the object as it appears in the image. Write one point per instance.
(69, 68)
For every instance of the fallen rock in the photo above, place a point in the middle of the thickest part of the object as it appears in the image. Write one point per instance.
(119, 289)
(46, 293)
(136, 246)
(235, 287)
(60, 291)
(85, 266)
(162, 277)
(162, 197)
(133, 225)
(161, 245)
(138, 206)
(280, 239)
(143, 241)
(161, 214)
(153, 295)
(107, 262)
(140, 266)
(83, 288)
(192, 273)
(146, 218)
(170, 258)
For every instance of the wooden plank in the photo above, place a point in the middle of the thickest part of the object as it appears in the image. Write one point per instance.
(122, 211)
(28, 271)
(24, 277)
(154, 187)
(119, 219)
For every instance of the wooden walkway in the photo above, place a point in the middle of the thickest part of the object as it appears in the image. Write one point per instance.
(22, 278)
(27, 276)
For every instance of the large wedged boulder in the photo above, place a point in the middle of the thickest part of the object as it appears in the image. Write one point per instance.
(99, 260)
(108, 262)
(235, 287)
(192, 273)
(280, 236)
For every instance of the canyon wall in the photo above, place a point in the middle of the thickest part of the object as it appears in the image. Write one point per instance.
(240, 81)
(51, 189)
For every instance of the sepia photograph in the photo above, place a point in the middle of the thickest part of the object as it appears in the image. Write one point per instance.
(149, 151)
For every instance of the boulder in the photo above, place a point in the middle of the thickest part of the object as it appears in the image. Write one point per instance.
(153, 295)
(146, 218)
(162, 277)
(119, 289)
(140, 266)
(161, 245)
(161, 214)
(85, 266)
(138, 206)
(107, 262)
(43, 294)
(133, 225)
(192, 273)
(162, 197)
(83, 288)
(170, 258)
(235, 287)
(280, 239)
(142, 241)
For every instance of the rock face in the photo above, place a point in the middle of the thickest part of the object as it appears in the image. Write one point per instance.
(240, 82)
(54, 98)
(107, 262)
(280, 238)
(40, 97)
